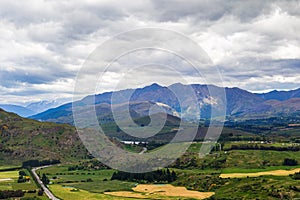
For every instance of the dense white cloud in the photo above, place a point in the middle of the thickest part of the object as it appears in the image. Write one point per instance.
(43, 44)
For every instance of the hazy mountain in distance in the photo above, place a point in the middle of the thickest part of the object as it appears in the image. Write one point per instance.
(20, 110)
(32, 108)
(41, 106)
(280, 95)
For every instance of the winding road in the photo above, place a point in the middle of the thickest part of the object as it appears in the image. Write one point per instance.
(49, 194)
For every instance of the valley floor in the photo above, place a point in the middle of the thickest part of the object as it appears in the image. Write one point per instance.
(230, 174)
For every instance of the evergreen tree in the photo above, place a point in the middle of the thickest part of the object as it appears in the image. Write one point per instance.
(45, 179)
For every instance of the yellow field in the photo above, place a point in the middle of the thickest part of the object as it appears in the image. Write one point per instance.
(154, 191)
(256, 174)
(67, 194)
(129, 194)
(9, 175)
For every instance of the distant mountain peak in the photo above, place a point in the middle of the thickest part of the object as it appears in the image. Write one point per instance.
(153, 86)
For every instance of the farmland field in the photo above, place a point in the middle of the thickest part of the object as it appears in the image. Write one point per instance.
(69, 193)
(161, 191)
(8, 181)
(265, 173)
(209, 176)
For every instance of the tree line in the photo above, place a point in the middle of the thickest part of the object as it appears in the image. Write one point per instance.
(6, 194)
(290, 162)
(158, 176)
(262, 147)
(37, 163)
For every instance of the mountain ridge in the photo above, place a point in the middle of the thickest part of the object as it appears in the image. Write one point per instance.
(240, 103)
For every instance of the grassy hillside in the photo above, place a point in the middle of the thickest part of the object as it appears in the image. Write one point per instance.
(23, 139)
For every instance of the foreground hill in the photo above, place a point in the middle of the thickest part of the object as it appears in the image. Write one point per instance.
(241, 104)
(25, 139)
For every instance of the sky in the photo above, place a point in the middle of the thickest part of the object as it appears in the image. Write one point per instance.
(254, 44)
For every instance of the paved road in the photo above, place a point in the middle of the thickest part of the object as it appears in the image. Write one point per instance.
(143, 151)
(46, 190)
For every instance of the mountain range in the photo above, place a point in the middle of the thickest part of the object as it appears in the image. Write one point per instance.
(241, 104)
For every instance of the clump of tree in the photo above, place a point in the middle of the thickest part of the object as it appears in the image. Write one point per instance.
(262, 147)
(40, 192)
(76, 167)
(22, 177)
(158, 176)
(290, 162)
(45, 179)
(190, 161)
(6, 194)
(37, 163)
(88, 165)
(296, 176)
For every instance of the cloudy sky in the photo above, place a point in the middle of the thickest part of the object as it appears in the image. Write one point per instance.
(43, 44)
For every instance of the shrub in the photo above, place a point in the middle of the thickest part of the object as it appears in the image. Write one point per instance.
(290, 162)
(296, 176)
(40, 192)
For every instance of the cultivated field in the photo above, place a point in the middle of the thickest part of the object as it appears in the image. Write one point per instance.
(9, 175)
(256, 174)
(70, 193)
(156, 191)
(8, 181)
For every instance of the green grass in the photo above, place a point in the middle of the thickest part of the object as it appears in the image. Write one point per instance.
(66, 194)
(104, 186)
(55, 169)
(24, 186)
(256, 159)
(9, 174)
(14, 185)
(62, 174)
(6, 185)
(195, 147)
(100, 179)
(132, 148)
(259, 188)
(197, 171)
(8, 167)
(276, 144)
